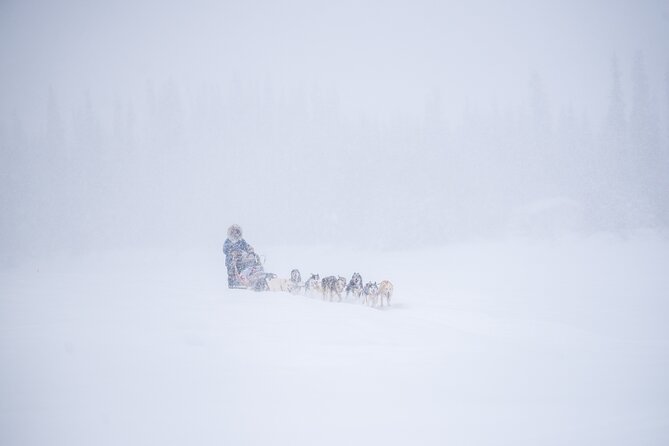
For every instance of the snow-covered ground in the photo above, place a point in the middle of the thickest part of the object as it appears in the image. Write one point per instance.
(517, 342)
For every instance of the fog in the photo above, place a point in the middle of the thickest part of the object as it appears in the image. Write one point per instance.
(384, 125)
(502, 166)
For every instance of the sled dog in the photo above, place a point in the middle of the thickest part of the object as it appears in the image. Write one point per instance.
(277, 284)
(313, 284)
(333, 286)
(371, 291)
(355, 286)
(295, 285)
(385, 290)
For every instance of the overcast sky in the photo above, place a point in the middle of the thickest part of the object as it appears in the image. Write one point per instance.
(381, 57)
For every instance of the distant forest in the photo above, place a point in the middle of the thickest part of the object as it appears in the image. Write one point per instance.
(171, 168)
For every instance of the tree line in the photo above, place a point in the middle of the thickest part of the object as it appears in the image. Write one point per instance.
(174, 166)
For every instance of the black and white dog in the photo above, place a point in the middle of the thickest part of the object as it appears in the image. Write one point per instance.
(333, 286)
(295, 276)
(371, 292)
(313, 284)
(355, 286)
(295, 284)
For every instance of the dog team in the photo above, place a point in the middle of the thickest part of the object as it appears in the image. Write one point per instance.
(245, 270)
(332, 287)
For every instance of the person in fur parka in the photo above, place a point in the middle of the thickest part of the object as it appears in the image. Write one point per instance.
(235, 249)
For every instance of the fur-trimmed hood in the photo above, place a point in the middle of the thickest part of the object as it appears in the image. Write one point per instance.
(235, 233)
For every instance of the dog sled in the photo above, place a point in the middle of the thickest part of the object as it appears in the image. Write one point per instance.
(248, 272)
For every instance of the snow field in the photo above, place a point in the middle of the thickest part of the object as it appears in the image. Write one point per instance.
(513, 342)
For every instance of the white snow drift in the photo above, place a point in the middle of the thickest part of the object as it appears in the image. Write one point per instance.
(521, 343)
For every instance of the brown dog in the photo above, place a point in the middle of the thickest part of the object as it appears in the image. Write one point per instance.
(385, 290)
